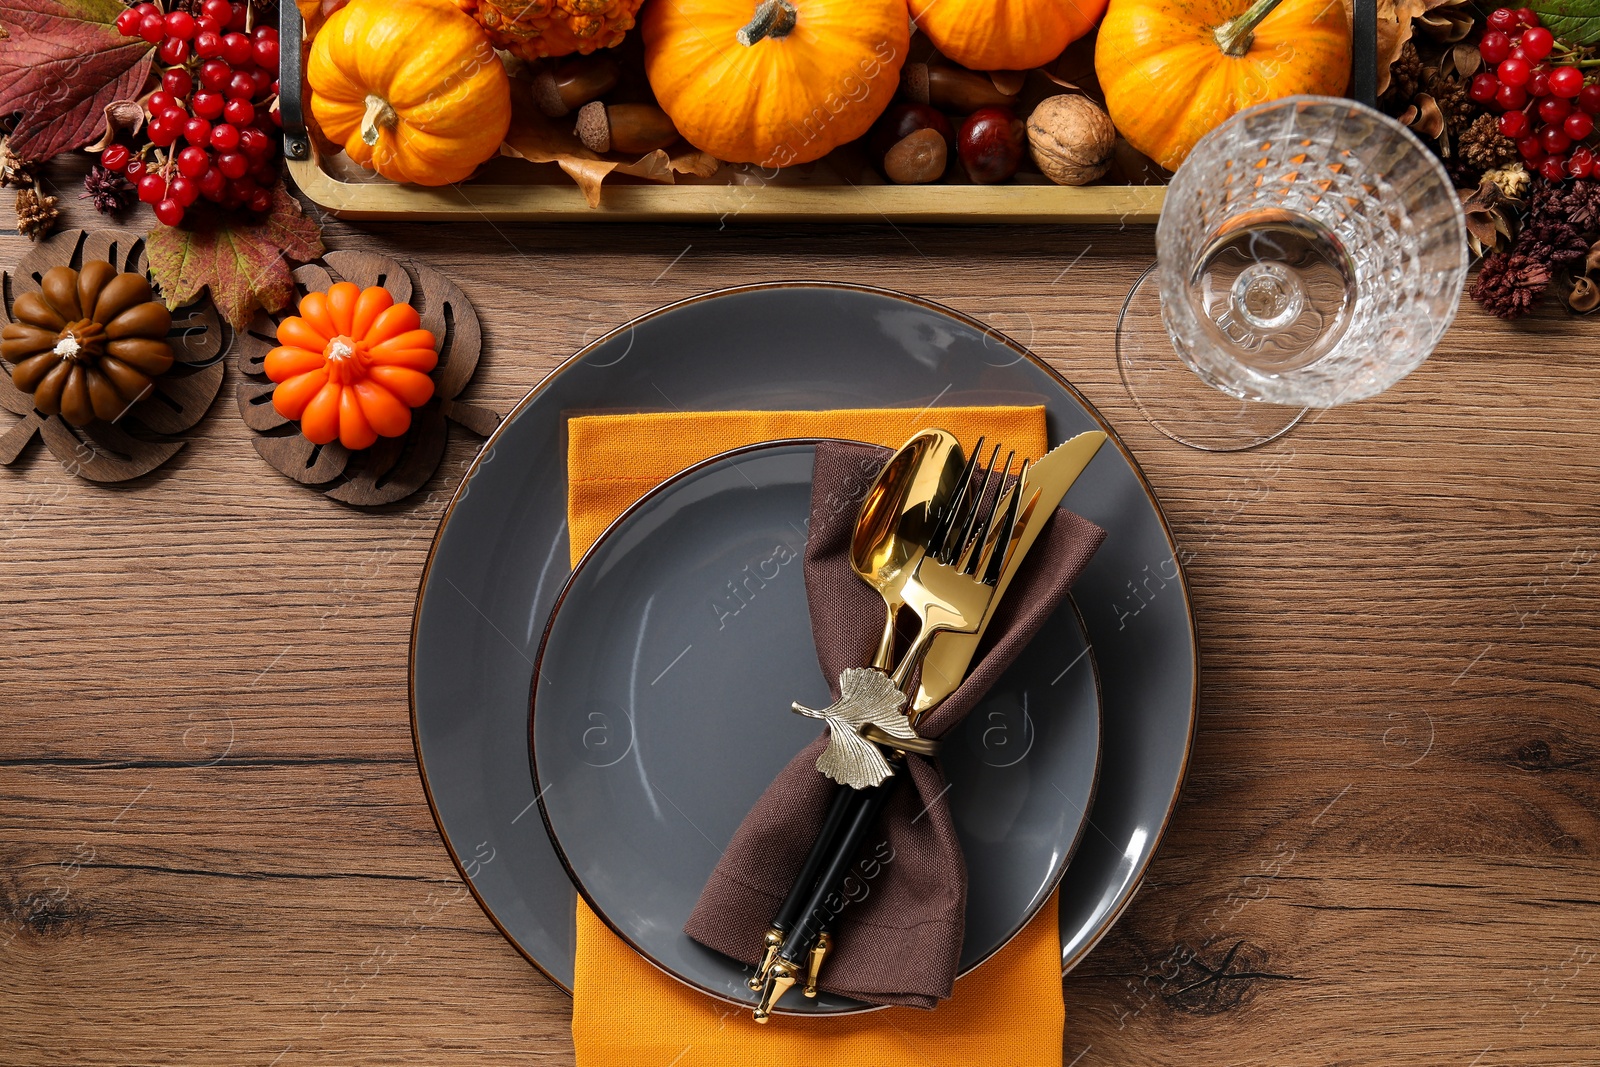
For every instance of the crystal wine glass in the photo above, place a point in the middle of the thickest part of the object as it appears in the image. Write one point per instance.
(1311, 252)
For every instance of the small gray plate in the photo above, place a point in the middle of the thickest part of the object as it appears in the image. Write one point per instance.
(501, 552)
(661, 711)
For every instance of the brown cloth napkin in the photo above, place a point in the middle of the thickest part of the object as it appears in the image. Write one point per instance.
(900, 943)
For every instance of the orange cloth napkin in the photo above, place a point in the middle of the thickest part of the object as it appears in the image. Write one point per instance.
(625, 1011)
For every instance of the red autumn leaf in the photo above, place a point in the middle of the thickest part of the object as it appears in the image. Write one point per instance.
(61, 63)
(245, 264)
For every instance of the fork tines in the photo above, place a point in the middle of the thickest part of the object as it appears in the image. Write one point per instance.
(976, 522)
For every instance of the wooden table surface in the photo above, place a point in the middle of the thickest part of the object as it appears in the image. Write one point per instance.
(215, 848)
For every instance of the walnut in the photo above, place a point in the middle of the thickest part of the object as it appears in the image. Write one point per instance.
(1072, 139)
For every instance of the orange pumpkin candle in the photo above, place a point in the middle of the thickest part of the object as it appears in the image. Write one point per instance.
(352, 365)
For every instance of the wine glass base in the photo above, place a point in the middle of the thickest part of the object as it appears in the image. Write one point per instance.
(1173, 398)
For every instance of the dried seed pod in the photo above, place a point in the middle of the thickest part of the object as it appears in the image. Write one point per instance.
(1585, 295)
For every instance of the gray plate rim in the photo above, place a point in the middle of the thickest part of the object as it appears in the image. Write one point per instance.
(1131, 890)
(555, 839)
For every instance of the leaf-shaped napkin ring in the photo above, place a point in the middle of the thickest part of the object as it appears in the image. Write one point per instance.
(869, 706)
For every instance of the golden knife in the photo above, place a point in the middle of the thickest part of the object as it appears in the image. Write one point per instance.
(1042, 489)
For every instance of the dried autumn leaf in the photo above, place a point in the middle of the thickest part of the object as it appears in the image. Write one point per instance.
(538, 140)
(1394, 30)
(1008, 81)
(695, 162)
(244, 264)
(62, 64)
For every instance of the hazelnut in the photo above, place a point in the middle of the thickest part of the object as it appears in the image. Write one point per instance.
(916, 158)
(1072, 139)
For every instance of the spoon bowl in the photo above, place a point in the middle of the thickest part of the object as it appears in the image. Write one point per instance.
(898, 518)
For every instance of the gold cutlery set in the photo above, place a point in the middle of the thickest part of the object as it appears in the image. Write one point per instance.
(939, 538)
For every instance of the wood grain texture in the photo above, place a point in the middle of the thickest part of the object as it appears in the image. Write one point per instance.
(214, 846)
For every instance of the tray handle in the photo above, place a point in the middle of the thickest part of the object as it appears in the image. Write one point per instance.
(296, 145)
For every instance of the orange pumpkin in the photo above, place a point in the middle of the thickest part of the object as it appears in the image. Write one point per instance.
(774, 82)
(410, 88)
(351, 365)
(1005, 34)
(1172, 70)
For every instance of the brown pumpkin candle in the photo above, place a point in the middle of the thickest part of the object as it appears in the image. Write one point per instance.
(88, 344)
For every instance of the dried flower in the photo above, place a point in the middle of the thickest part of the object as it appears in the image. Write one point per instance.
(1481, 147)
(1453, 98)
(1405, 78)
(1491, 218)
(110, 191)
(1513, 179)
(1509, 283)
(17, 173)
(1556, 234)
(36, 213)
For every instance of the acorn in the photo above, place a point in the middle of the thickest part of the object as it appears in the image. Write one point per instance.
(562, 90)
(951, 88)
(630, 128)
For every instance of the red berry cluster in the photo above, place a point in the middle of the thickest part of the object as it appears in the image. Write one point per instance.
(213, 124)
(1544, 105)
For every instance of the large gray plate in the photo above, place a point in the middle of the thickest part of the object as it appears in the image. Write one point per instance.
(500, 558)
(661, 711)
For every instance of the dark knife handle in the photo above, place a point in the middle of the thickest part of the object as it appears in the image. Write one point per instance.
(818, 913)
(789, 912)
(794, 904)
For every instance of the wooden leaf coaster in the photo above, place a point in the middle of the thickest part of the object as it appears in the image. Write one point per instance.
(394, 467)
(144, 438)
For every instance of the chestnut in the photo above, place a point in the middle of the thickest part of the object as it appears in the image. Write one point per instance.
(917, 158)
(902, 120)
(991, 144)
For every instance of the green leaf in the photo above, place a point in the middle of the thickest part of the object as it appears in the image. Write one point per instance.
(1577, 22)
(245, 264)
(61, 63)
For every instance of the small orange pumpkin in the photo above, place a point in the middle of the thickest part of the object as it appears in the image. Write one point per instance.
(351, 365)
(410, 88)
(1005, 34)
(774, 82)
(1172, 70)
